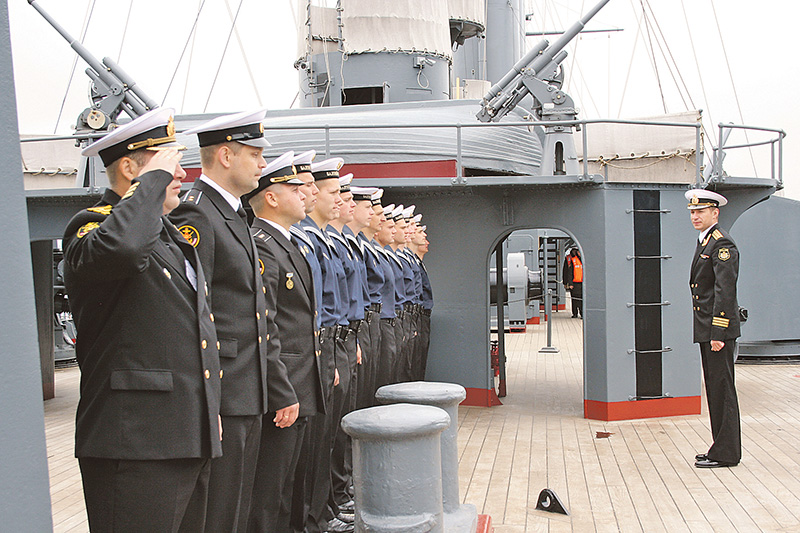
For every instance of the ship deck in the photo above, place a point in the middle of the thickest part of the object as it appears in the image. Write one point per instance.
(640, 477)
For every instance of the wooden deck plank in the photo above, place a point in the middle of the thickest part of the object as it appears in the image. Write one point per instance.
(641, 478)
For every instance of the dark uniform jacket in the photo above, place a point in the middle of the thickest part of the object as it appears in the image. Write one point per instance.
(291, 300)
(147, 349)
(715, 269)
(223, 242)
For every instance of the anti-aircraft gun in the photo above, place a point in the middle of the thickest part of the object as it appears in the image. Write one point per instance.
(539, 73)
(112, 90)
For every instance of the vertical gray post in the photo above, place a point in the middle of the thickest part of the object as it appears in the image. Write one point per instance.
(458, 518)
(24, 483)
(42, 257)
(501, 296)
(397, 467)
(548, 299)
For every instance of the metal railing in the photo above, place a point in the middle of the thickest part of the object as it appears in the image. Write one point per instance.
(776, 167)
(582, 125)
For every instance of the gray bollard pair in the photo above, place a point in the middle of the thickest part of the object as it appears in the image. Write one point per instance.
(405, 461)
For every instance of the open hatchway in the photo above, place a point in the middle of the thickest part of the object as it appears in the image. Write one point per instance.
(538, 300)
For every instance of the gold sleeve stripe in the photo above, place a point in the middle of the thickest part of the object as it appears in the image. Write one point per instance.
(102, 210)
(720, 322)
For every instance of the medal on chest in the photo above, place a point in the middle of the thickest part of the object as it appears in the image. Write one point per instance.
(289, 281)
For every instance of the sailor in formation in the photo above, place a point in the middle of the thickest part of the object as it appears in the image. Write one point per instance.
(266, 335)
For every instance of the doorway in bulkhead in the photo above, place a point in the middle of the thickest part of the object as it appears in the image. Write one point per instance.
(537, 361)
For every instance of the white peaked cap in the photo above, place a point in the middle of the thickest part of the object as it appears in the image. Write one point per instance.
(334, 163)
(361, 194)
(701, 198)
(344, 181)
(305, 158)
(283, 161)
(244, 127)
(154, 126)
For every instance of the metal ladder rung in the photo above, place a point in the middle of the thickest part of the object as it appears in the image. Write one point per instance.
(663, 350)
(649, 257)
(632, 304)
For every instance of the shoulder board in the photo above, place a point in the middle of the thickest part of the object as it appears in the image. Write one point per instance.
(717, 234)
(192, 197)
(102, 209)
(262, 235)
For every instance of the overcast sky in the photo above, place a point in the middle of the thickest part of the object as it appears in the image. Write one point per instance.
(609, 74)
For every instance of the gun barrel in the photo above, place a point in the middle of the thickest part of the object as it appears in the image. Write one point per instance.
(78, 47)
(551, 51)
(130, 83)
(515, 70)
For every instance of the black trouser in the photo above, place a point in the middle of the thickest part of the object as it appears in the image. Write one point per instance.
(577, 298)
(375, 332)
(275, 474)
(364, 371)
(133, 496)
(388, 352)
(422, 344)
(318, 480)
(723, 405)
(230, 486)
(341, 462)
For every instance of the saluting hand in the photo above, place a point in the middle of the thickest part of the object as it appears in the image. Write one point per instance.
(166, 159)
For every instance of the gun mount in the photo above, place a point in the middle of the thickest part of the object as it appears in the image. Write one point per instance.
(112, 90)
(539, 73)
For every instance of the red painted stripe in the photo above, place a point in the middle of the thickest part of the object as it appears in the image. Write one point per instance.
(484, 524)
(191, 174)
(533, 320)
(481, 398)
(410, 169)
(660, 407)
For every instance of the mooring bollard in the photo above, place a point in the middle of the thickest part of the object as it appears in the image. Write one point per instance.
(397, 467)
(458, 518)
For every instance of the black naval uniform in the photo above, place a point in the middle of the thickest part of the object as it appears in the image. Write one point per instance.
(290, 298)
(227, 253)
(147, 421)
(714, 273)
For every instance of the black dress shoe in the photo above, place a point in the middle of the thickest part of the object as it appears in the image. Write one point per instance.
(708, 463)
(701, 457)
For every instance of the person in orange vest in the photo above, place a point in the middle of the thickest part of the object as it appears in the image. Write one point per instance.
(573, 281)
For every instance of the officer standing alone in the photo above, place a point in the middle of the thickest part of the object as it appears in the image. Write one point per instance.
(715, 270)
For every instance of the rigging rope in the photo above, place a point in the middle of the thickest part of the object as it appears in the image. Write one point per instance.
(244, 57)
(699, 74)
(653, 57)
(670, 62)
(86, 19)
(733, 85)
(221, 59)
(630, 65)
(125, 31)
(191, 33)
(193, 38)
